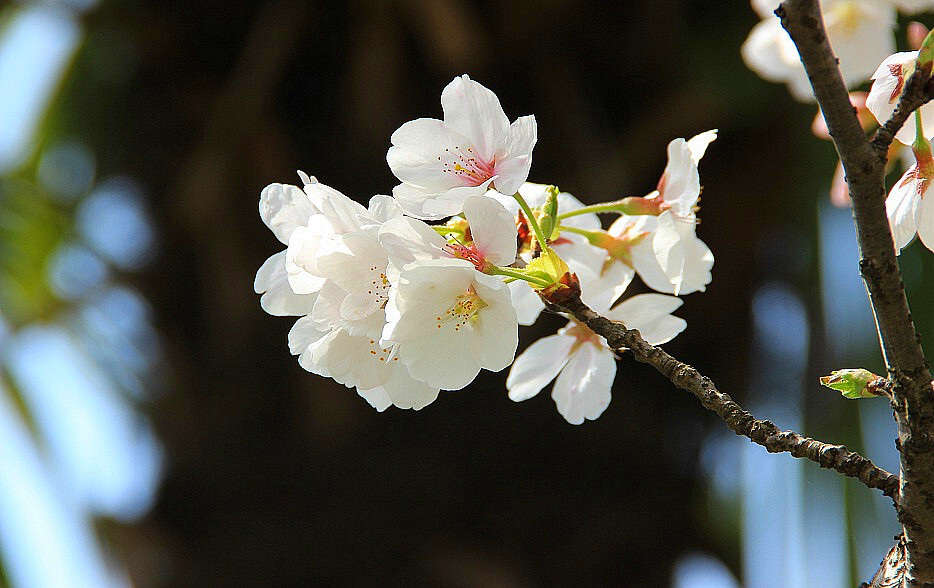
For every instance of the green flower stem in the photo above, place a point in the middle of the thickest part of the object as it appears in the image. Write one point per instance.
(634, 205)
(515, 275)
(533, 222)
(585, 232)
(920, 140)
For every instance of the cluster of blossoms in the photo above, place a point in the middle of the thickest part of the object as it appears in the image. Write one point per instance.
(862, 34)
(400, 309)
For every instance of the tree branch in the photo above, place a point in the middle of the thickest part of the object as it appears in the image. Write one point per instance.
(741, 422)
(864, 163)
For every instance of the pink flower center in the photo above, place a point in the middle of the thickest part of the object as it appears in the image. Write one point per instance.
(467, 252)
(582, 334)
(466, 166)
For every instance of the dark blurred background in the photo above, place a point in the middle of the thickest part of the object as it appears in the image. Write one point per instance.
(153, 406)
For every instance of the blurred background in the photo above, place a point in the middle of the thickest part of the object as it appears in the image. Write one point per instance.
(155, 431)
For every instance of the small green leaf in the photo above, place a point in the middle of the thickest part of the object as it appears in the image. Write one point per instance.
(854, 383)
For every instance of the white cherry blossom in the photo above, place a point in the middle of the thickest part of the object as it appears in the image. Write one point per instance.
(887, 86)
(581, 361)
(664, 249)
(450, 321)
(443, 162)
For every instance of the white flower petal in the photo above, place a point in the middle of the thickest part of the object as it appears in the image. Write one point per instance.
(600, 289)
(284, 207)
(527, 303)
(860, 32)
(406, 392)
(440, 361)
(497, 335)
(582, 390)
(305, 245)
(435, 205)
(515, 160)
(418, 158)
(278, 299)
(474, 111)
(377, 397)
(492, 228)
(538, 365)
(650, 314)
(405, 240)
(900, 208)
(698, 261)
(924, 216)
(680, 184)
(698, 144)
(341, 212)
(399, 390)
(381, 209)
(669, 248)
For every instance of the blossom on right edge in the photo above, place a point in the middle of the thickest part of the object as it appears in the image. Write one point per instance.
(909, 209)
(888, 83)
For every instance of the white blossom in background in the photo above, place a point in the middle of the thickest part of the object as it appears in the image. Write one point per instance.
(861, 33)
(887, 87)
(914, 6)
(442, 162)
(908, 207)
(580, 359)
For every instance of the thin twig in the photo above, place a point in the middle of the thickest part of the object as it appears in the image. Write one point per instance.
(741, 422)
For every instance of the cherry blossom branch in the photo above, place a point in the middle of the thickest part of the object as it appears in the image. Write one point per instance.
(864, 162)
(740, 421)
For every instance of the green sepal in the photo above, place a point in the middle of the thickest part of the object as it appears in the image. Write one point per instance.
(548, 268)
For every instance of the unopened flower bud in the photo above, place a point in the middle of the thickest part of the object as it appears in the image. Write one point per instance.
(854, 383)
(549, 215)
